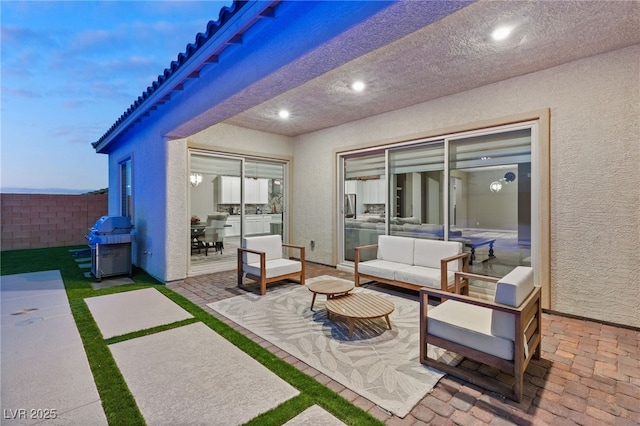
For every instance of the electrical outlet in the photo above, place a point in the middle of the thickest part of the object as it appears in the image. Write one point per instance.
(312, 245)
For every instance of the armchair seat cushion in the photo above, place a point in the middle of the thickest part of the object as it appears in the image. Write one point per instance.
(274, 267)
(470, 326)
(423, 276)
(384, 269)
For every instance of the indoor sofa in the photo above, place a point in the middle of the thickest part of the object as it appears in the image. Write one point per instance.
(413, 263)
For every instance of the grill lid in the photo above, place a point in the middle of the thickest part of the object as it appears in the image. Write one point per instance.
(107, 225)
(109, 239)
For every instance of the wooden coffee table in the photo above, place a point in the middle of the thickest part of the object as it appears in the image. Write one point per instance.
(360, 306)
(330, 288)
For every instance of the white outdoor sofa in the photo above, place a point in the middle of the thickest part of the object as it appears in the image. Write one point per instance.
(414, 263)
(504, 333)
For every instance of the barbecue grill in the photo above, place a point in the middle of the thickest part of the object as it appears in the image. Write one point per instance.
(110, 241)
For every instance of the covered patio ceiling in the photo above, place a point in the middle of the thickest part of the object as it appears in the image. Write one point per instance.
(454, 54)
(405, 53)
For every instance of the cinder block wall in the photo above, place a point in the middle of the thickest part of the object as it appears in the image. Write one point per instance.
(48, 220)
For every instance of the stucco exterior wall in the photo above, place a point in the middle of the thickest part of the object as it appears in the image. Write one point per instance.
(595, 201)
(145, 146)
(234, 139)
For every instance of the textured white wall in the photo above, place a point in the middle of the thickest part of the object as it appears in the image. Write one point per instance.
(595, 181)
(491, 210)
(149, 175)
(229, 138)
(178, 230)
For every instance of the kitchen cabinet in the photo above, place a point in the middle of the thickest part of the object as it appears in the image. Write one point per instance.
(351, 187)
(260, 223)
(234, 229)
(373, 191)
(229, 190)
(256, 224)
(256, 190)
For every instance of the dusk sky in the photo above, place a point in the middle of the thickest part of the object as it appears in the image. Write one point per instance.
(70, 69)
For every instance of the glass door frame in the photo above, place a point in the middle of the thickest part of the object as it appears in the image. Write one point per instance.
(538, 123)
(536, 196)
(242, 174)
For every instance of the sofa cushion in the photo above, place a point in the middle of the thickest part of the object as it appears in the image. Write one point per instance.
(514, 287)
(468, 325)
(376, 219)
(395, 249)
(429, 252)
(411, 220)
(395, 228)
(274, 267)
(270, 244)
(381, 268)
(511, 290)
(432, 228)
(422, 276)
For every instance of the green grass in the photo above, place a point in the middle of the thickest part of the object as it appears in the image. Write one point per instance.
(118, 403)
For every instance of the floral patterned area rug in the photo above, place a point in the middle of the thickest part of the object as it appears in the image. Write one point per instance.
(380, 364)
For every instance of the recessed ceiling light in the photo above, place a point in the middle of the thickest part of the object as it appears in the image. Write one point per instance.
(501, 33)
(358, 86)
(283, 113)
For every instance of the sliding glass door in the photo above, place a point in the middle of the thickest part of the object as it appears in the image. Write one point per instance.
(474, 188)
(363, 210)
(416, 176)
(215, 211)
(490, 192)
(232, 197)
(264, 198)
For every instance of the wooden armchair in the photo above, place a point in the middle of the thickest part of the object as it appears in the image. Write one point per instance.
(505, 333)
(261, 259)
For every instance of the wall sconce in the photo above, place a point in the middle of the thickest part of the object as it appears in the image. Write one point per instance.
(195, 179)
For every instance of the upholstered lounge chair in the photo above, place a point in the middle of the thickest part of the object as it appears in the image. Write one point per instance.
(261, 259)
(505, 333)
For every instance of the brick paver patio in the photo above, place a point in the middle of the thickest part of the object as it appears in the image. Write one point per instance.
(589, 373)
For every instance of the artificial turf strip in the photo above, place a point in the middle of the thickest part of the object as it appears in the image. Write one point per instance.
(118, 403)
(148, 331)
(283, 412)
(317, 392)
